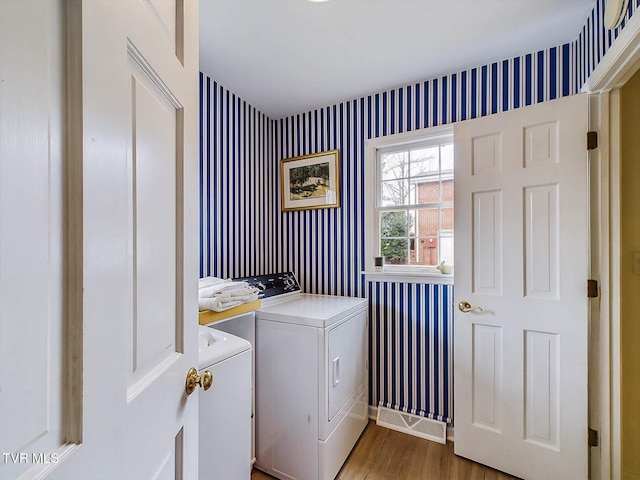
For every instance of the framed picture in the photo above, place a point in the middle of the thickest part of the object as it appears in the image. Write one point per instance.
(310, 181)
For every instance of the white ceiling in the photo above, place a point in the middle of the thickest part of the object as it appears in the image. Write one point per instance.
(291, 56)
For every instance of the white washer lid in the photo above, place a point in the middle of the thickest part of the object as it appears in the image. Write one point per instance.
(215, 346)
(311, 310)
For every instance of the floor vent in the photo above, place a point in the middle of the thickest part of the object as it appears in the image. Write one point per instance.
(433, 430)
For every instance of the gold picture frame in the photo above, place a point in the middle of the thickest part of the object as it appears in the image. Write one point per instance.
(310, 181)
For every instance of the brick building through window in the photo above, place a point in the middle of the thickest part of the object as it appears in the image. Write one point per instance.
(433, 224)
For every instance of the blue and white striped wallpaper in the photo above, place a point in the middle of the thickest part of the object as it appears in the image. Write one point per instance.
(237, 192)
(244, 232)
(411, 350)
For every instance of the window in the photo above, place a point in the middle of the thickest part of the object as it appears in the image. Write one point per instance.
(414, 202)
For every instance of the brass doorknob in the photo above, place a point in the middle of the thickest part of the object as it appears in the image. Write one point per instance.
(193, 379)
(465, 307)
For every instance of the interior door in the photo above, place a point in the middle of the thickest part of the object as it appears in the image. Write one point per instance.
(139, 231)
(521, 245)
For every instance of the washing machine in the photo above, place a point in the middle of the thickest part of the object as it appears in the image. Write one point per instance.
(225, 409)
(311, 361)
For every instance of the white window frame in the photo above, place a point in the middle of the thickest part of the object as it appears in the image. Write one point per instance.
(397, 273)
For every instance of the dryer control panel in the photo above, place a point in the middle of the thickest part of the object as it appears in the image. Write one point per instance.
(274, 284)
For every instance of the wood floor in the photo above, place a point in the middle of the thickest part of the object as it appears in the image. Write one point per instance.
(383, 454)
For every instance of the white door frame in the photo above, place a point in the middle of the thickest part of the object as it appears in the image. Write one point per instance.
(621, 61)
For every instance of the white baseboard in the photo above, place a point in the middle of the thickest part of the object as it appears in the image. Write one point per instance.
(450, 436)
(373, 412)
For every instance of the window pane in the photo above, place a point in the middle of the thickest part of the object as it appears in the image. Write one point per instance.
(411, 219)
(446, 157)
(395, 193)
(428, 191)
(413, 194)
(446, 250)
(394, 251)
(427, 222)
(447, 190)
(393, 237)
(394, 165)
(424, 161)
(426, 252)
(393, 224)
(446, 219)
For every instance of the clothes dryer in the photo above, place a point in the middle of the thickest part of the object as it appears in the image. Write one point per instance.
(311, 379)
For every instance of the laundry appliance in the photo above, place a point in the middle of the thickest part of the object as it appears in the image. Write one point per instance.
(225, 409)
(311, 379)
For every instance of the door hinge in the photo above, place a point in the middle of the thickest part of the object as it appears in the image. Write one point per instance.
(593, 437)
(592, 288)
(592, 140)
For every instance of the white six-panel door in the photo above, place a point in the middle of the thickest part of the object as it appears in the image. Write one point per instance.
(139, 230)
(522, 256)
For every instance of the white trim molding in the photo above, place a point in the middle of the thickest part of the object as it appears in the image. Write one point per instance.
(600, 345)
(611, 258)
(371, 147)
(409, 277)
(620, 62)
(616, 68)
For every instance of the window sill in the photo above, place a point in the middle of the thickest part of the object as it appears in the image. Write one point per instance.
(408, 277)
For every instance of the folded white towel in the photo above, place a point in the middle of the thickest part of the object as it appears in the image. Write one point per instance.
(222, 287)
(211, 303)
(244, 295)
(225, 301)
(208, 281)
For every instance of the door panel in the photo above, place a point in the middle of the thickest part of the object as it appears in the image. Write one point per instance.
(540, 144)
(165, 12)
(521, 227)
(170, 465)
(542, 406)
(153, 170)
(541, 231)
(487, 242)
(486, 154)
(345, 364)
(487, 377)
